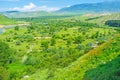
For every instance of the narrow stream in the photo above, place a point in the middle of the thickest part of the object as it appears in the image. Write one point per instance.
(2, 30)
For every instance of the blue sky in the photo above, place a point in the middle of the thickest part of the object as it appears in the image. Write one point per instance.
(45, 5)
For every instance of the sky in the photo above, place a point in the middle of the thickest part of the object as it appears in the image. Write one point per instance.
(40, 5)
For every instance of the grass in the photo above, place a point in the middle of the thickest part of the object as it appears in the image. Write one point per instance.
(6, 21)
(108, 71)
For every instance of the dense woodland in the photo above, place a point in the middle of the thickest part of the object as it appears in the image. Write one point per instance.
(114, 23)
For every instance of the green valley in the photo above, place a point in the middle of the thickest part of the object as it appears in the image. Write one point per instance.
(67, 48)
(59, 40)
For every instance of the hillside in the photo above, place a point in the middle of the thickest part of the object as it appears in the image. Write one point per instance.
(13, 14)
(101, 19)
(112, 6)
(5, 20)
(25, 14)
(109, 71)
(102, 55)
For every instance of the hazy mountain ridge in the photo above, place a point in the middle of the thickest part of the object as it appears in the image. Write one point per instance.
(112, 6)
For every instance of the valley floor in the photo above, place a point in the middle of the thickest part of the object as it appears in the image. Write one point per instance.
(74, 48)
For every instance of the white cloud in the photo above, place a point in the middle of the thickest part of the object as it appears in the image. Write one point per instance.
(33, 7)
(46, 8)
(25, 8)
(30, 6)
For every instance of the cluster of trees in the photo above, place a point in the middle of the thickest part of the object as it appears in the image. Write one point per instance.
(93, 18)
(42, 18)
(95, 62)
(114, 23)
(6, 57)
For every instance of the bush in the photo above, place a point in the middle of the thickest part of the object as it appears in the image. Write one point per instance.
(16, 28)
(4, 75)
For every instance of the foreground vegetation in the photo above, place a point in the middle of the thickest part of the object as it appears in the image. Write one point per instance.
(67, 48)
(108, 71)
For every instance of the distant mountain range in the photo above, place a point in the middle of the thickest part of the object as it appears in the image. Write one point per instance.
(18, 14)
(12, 12)
(112, 6)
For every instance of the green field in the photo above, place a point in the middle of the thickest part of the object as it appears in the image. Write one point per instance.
(79, 47)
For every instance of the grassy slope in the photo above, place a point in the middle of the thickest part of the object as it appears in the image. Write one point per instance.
(103, 18)
(109, 71)
(96, 18)
(92, 59)
(76, 71)
(5, 20)
(39, 14)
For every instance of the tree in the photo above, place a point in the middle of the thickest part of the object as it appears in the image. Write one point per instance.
(53, 41)
(45, 45)
(96, 35)
(6, 54)
(78, 39)
(16, 28)
(69, 41)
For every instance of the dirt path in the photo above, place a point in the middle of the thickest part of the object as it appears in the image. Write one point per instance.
(1, 26)
(42, 37)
